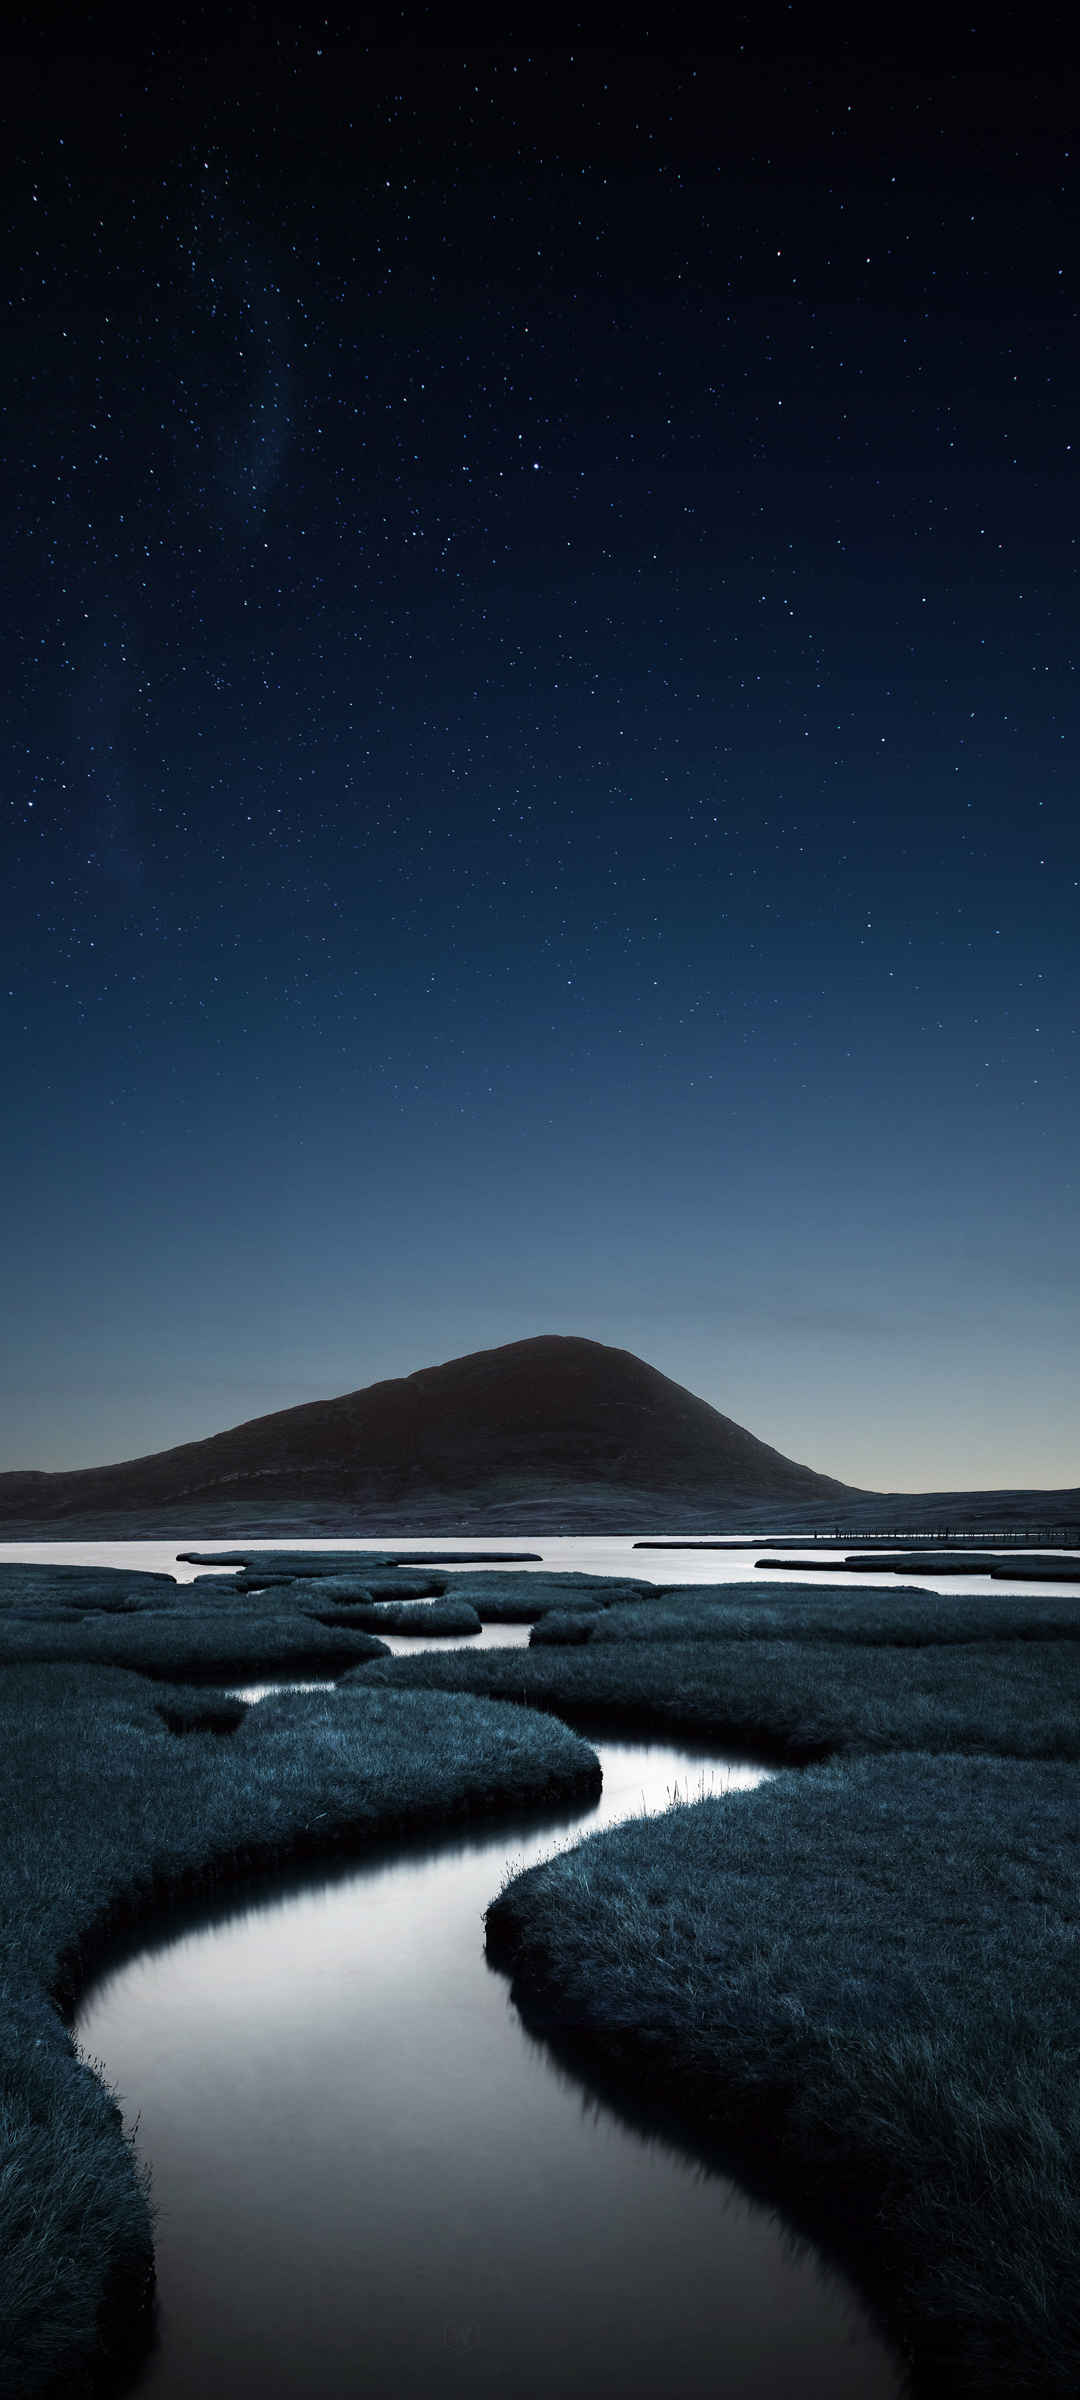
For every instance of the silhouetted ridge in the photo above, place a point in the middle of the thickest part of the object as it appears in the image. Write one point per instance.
(516, 1422)
(555, 1434)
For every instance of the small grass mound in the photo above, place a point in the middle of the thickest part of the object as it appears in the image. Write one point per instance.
(821, 1977)
(354, 1573)
(422, 1617)
(522, 1599)
(283, 1566)
(191, 1646)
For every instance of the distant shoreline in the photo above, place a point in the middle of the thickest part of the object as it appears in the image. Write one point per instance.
(949, 1518)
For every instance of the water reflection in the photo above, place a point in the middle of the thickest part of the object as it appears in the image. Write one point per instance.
(404, 1645)
(367, 2174)
(594, 1554)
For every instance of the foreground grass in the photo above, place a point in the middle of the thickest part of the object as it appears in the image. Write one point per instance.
(746, 1611)
(106, 1812)
(821, 1977)
(793, 1701)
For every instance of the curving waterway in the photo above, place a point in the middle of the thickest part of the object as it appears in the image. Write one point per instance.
(369, 2179)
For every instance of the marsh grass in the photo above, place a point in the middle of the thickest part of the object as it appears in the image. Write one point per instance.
(212, 1631)
(739, 1612)
(822, 1975)
(351, 1573)
(522, 1599)
(406, 1616)
(191, 1646)
(106, 1814)
(790, 1701)
(282, 1566)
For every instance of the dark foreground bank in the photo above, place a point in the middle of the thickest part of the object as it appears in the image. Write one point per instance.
(867, 1976)
(860, 1980)
(117, 1794)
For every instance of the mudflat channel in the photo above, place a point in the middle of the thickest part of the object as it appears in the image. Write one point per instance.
(369, 2178)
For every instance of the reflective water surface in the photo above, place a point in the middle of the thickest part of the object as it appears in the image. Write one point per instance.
(370, 2179)
(592, 1554)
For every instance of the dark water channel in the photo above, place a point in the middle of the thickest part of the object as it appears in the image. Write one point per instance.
(370, 2180)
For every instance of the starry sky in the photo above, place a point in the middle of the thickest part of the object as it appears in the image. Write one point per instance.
(540, 625)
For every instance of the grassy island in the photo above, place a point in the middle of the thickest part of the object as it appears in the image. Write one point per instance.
(859, 1983)
(793, 1702)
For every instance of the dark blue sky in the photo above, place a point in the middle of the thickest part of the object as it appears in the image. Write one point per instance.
(540, 605)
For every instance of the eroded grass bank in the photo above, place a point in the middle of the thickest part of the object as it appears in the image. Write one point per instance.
(791, 1701)
(865, 1975)
(107, 1812)
(861, 1979)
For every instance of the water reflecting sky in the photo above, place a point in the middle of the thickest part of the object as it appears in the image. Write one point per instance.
(592, 1554)
(369, 2176)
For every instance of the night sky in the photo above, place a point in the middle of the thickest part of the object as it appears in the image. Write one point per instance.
(539, 666)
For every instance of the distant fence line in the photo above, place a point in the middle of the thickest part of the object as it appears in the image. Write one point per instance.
(1066, 1535)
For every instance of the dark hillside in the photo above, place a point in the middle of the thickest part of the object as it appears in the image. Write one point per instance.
(556, 1434)
(556, 1422)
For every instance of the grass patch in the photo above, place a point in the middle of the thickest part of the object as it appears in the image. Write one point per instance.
(744, 1612)
(522, 1599)
(793, 1701)
(407, 1616)
(27, 1588)
(820, 1978)
(191, 1646)
(106, 1814)
(354, 1575)
(211, 1631)
(281, 1566)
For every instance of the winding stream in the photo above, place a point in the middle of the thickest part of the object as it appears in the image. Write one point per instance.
(369, 2179)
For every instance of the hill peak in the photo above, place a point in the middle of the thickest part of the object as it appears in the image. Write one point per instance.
(556, 1425)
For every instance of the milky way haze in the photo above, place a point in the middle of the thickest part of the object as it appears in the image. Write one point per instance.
(540, 656)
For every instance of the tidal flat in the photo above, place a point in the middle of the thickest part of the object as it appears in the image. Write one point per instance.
(858, 1988)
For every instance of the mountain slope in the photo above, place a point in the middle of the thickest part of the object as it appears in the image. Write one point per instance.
(553, 1435)
(558, 1423)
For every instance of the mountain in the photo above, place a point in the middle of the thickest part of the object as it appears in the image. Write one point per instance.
(556, 1434)
(557, 1427)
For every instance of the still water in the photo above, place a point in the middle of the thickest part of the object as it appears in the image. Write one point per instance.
(368, 2178)
(592, 1554)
